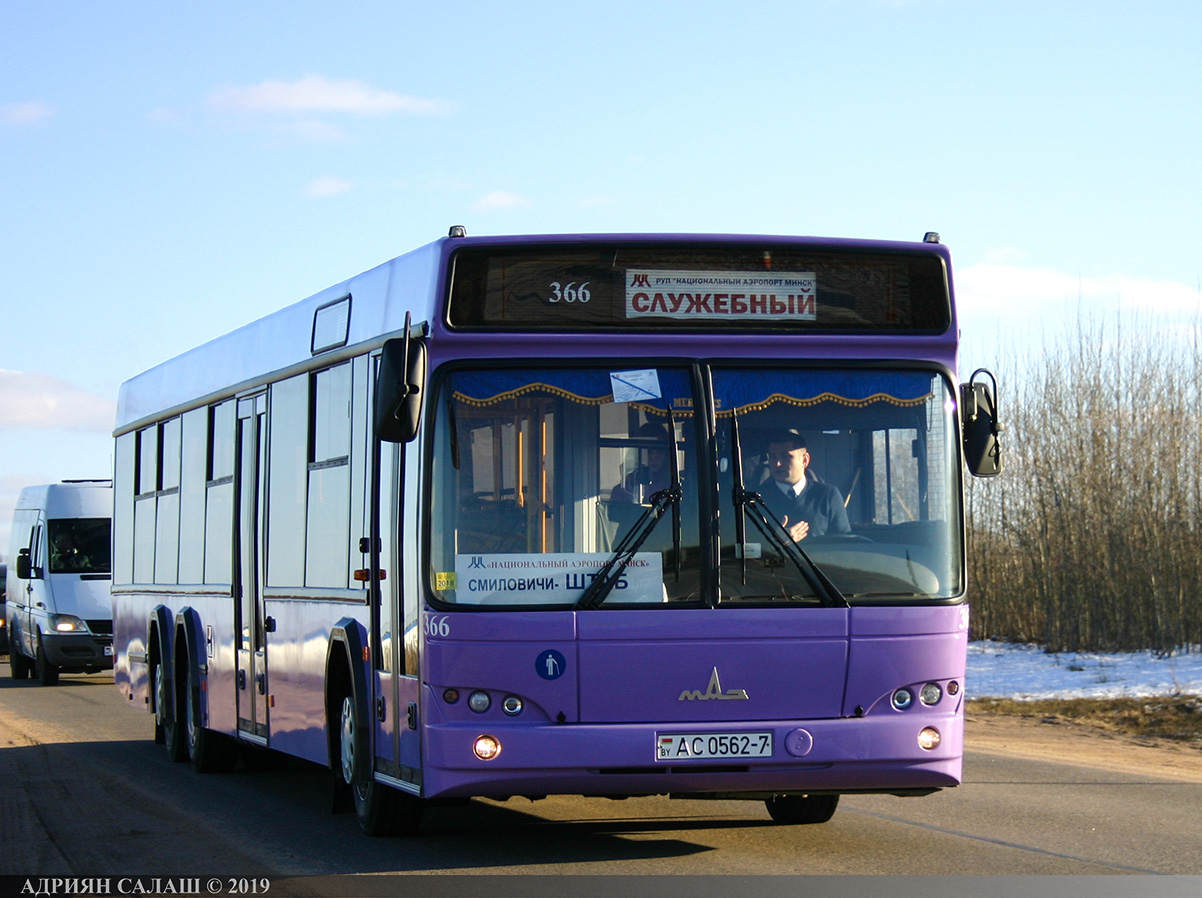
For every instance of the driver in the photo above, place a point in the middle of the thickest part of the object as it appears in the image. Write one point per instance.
(806, 507)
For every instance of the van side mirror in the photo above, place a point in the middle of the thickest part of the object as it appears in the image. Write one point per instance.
(982, 428)
(24, 570)
(400, 386)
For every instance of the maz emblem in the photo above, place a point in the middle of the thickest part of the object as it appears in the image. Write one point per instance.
(713, 691)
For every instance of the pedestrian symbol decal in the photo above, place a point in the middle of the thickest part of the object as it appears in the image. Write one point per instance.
(550, 665)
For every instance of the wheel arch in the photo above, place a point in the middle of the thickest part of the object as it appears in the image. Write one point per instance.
(189, 649)
(159, 644)
(345, 674)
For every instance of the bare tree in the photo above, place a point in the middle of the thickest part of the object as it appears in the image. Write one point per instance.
(1092, 539)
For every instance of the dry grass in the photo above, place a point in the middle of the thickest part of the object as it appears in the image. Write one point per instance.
(1177, 717)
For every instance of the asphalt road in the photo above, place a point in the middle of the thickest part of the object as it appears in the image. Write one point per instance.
(87, 793)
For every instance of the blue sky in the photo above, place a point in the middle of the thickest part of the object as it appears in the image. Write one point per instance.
(170, 171)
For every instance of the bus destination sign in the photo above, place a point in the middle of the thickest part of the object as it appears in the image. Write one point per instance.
(715, 295)
(639, 287)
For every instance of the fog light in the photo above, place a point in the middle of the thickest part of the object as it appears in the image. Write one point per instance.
(929, 738)
(512, 705)
(486, 747)
(479, 702)
(930, 694)
(902, 699)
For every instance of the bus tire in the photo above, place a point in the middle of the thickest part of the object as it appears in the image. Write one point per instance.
(799, 809)
(380, 809)
(18, 664)
(209, 751)
(167, 727)
(47, 673)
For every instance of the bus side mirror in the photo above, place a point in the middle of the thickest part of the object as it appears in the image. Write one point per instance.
(399, 389)
(24, 571)
(979, 418)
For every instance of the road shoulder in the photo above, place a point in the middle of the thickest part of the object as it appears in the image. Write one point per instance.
(1049, 739)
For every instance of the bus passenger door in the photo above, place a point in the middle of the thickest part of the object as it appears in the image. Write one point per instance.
(394, 621)
(250, 625)
(407, 607)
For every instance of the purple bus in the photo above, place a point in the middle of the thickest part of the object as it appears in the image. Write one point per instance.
(606, 515)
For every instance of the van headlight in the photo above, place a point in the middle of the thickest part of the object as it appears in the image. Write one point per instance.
(67, 623)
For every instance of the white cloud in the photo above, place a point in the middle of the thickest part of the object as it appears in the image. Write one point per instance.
(322, 187)
(1005, 288)
(35, 401)
(314, 131)
(499, 200)
(30, 113)
(318, 94)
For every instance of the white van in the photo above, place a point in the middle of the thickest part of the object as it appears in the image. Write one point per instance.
(60, 613)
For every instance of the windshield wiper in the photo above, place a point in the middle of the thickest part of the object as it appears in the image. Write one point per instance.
(607, 578)
(751, 503)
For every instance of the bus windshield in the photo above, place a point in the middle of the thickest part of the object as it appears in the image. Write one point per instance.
(545, 478)
(858, 468)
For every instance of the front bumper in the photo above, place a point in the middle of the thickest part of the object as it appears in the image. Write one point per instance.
(78, 651)
(870, 754)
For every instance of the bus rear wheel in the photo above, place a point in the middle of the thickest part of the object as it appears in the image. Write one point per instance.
(380, 810)
(798, 809)
(209, 752)
(168, 730)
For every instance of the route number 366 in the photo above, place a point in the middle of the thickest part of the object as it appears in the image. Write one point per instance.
(570, 293)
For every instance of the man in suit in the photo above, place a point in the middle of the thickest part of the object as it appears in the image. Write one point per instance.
(805, 507)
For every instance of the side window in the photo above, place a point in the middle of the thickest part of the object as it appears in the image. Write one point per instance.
(145, 503)
(329, 478)
(148, 461)
(124, 487)
(192, 495)
(37, 558)
(170, 440)
(288, 418)
(219, 493)
(166, 550)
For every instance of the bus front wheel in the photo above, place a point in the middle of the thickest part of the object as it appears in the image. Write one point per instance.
(796, 809)
(380, 810)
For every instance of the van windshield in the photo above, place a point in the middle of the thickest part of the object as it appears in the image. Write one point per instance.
(79, 545)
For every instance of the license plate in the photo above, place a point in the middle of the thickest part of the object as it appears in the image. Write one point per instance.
(686, 746)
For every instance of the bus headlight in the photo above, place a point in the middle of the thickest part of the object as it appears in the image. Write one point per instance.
(486, 747)
(930, 694)
(902, 699)
(929, 738)
(479, 702)
(512, 705)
